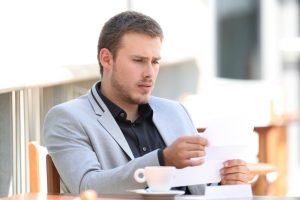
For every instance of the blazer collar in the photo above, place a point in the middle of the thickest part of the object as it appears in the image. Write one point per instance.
(106, 119)
(160, 119)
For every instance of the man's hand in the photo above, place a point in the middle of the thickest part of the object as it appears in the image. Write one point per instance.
(185, 151)
(234, 172)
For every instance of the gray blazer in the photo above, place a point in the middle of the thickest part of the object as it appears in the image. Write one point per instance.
(90, 151)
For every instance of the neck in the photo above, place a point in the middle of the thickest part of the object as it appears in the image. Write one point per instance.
(132, 115)
(130, 109)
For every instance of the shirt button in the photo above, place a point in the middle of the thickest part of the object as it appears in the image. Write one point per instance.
(144, 149)
(133, 124)
(122, 115)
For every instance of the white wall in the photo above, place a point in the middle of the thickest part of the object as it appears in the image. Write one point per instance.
(37, 35)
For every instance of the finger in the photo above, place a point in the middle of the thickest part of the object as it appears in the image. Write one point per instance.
(196, 140)
(194, 162)
(232, 182)
(190, 143)
(197, 161)
(194, 147)
(193, 154)
(235, 169)
(189, 163)
(236, 177)
(234, 162)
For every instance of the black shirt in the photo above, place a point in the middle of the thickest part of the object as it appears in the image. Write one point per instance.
(142, 134)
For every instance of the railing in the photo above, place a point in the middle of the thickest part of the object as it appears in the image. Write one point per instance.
(23, 105)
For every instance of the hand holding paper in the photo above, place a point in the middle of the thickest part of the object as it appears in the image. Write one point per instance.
(227, 137)
(181, 152)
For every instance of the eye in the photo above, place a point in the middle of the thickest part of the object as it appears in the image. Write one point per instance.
(138, 60)
(155, 62)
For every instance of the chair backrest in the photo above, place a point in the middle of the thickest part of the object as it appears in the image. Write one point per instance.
(53, 178)
(43, 174)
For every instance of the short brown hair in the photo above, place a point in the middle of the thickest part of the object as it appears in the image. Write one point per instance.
(122, 23)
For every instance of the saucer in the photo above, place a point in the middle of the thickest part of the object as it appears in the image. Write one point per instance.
(148, 193)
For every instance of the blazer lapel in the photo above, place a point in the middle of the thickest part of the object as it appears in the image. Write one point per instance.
(107, 121)
(161, 120)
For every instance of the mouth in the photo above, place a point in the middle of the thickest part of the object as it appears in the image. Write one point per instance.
(146, 87)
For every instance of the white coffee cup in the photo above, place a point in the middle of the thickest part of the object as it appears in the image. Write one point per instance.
(159, 178)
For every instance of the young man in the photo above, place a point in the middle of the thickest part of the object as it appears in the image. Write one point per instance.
(97, 141)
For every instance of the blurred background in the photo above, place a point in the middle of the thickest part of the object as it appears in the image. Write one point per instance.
(218, 56)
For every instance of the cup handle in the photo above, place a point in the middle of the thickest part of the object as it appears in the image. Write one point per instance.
(137, 174)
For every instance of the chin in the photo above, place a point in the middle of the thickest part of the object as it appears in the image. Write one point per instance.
(142, 100)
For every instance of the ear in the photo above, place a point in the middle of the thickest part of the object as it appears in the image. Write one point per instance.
(105, 58)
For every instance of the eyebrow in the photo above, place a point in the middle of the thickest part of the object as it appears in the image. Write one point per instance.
(143, 57)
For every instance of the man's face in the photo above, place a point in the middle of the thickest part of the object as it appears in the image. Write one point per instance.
(135, 68)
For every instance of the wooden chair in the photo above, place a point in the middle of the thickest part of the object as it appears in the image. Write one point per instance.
(44, 177)
(263, 175)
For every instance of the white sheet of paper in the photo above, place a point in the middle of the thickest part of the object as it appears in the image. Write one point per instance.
(223, 153)
(240, 192)
(202, 174)
(227, 137)
(209, 171)
(229, 130)
(229, 192)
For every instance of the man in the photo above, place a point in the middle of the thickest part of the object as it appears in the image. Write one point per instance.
(98, 140)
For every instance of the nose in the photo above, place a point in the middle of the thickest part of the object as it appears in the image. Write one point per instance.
(149, 70)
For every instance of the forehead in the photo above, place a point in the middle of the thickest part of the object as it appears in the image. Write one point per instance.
(140, 43)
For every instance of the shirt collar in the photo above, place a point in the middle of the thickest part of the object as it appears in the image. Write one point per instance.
(144, 110)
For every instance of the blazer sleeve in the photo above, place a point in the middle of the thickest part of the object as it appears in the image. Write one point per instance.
(79, 161)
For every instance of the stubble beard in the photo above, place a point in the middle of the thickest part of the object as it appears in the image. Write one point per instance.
(124, 93)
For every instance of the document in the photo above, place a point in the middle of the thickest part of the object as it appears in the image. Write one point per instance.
(229, 192)
(239, 192)
(227, 137)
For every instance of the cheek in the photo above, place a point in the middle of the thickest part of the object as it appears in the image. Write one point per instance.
(128, 74)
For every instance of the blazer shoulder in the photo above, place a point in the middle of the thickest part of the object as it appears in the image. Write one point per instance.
(162, 103)
(71, 106)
